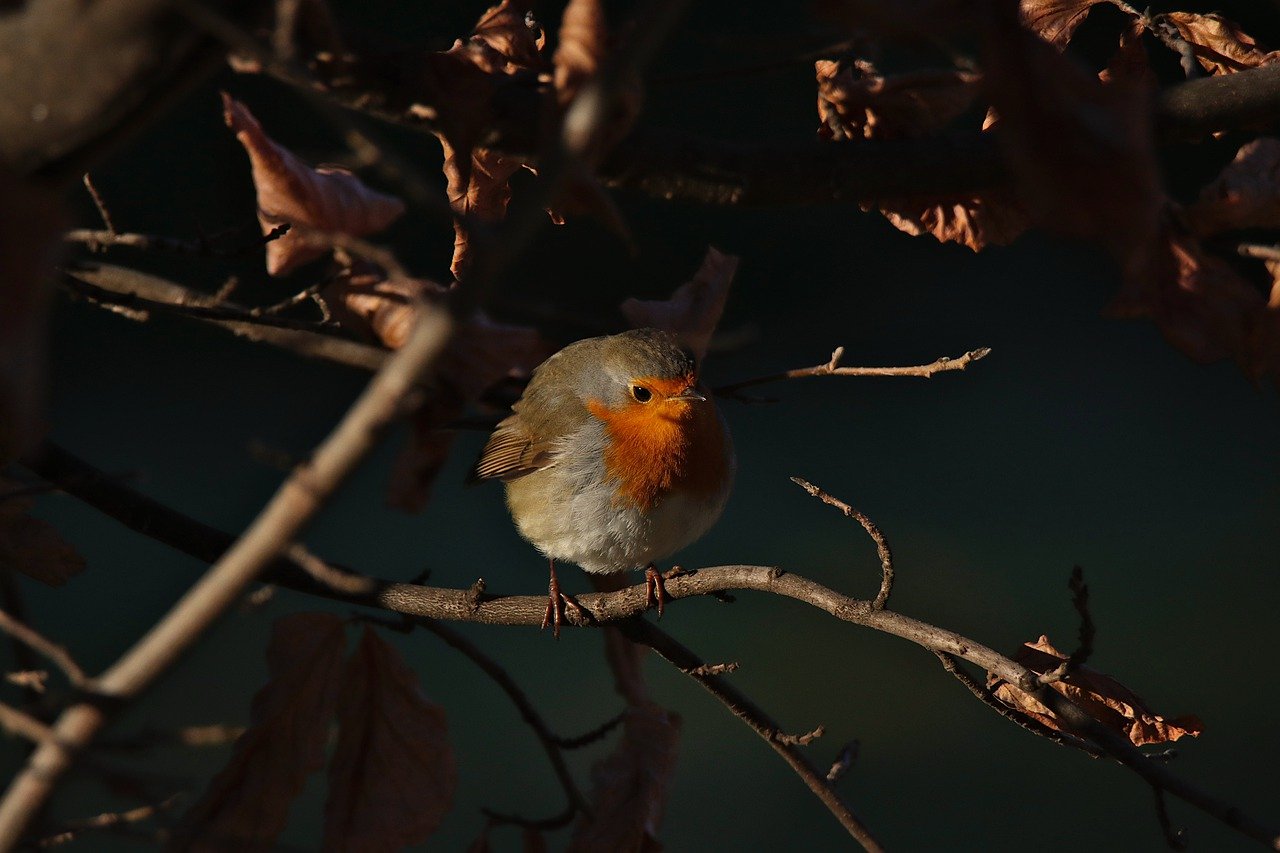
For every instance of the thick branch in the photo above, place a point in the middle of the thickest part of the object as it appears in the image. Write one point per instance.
(283, 518)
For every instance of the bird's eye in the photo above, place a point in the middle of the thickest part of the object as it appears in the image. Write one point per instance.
(641, 393)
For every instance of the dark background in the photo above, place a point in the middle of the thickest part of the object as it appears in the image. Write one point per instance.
(1080, 440)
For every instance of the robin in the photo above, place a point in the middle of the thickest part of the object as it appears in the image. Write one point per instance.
(613, 458)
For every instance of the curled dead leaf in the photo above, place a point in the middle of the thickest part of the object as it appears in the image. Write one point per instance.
(1056, 21)
(1246, 194)
(1200, 303)
(327, 199)
(694, 309)
(630, 787)
(33, 546)
(1220, 45)
(393, 774)
(1081, 150)
(1105, 699)
(506, 42)
(247, 804)
(855, 101)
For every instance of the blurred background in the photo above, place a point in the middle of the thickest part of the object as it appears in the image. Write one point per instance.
(1079, 441)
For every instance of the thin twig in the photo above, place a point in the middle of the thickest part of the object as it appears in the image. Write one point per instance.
(1088, 630)
(138, 292)
(56, 654)
(108, 820)
(640, 631)
(1256, 250)
(1174, 837)
(100, 204)
(832, 367)
(882, 544)
(551, 744)
(24, 725)
(297, 501)
(98, 240)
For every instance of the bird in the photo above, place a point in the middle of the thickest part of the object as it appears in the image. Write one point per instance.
(614, 458)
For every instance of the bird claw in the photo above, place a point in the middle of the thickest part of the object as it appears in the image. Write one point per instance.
(556, 601)
(655, 590)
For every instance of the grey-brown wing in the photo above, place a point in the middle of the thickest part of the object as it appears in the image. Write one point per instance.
(512, 452)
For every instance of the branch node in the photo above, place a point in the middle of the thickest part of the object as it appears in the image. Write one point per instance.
(802, 739)
(714, 669)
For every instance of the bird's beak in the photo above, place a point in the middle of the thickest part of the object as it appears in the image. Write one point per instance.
(689, 395)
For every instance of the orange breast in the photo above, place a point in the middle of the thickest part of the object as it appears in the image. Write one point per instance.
(662, 446)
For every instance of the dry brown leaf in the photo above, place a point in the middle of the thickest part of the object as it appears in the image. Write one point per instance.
(247, 804)
(993, 218)
(1056, 21)
(32, 546)
(327, 199)
(694, 309)
(1198, 301)
(1101, 696)
(393, 775)
(504, 43)
(855, 101)
(481, 353)
(30, 222)
(630, 787)
(1219, 44)
(1246, 194)
(1081, 150)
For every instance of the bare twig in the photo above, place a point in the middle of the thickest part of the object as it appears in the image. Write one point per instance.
(279, 523)
(551, 744)
(882, 544)
(139, 293)
(832, 367)
(30, 679)
(1088, 630)
(717, 668)
(639, 631)
(98, 240)
(56, 654)
(1262, 252)
(100, 204)
(107, 820)
(166, 525)
(24, 725)
(803, 739)
(1174, 837)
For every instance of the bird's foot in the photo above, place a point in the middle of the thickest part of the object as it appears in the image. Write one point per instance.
(655, 591)
(556, 601)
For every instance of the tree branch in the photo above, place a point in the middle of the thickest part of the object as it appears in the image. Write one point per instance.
(832, 367)
(139, 292)
(166, 525)
(283, 518)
